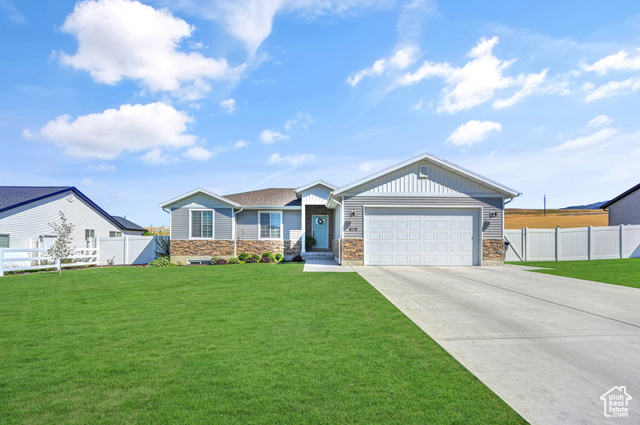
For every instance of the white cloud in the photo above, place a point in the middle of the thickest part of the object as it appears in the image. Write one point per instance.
(418, 106)
(271, 136)
(251, 21)
(89, 182)
(125, 39)
(12, 12)
(587, 141)
(599, 121)
(473, 132)
(620, 61)
(241, 144)
(477, 81)
(375, 166)
(104, 168)
(293, 160)
(613, 88)
(401, 59)
(301, 120)
(199, 153)
(229, 105)
(155, 157)
(130, 128)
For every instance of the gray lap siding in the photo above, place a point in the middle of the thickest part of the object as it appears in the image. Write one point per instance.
(247, 224)
(491, 226)
(223, 223)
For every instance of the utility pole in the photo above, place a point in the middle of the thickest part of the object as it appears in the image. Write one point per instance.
(544, 199)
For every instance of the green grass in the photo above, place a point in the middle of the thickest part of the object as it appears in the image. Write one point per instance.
(625, 272)
(227, 344)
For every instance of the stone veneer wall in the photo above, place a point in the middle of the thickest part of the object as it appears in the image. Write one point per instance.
(335, 247)
(258, 247)
(201, 248)
(493, 250)
(353, 250)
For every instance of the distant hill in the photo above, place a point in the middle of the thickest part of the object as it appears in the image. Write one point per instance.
(593, 206)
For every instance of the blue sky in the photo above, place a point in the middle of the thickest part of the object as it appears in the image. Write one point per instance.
(137, 102)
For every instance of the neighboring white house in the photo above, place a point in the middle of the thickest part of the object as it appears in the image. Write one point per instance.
(26, 211)
(625, 208)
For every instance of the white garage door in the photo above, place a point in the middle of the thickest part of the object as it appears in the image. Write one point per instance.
(415, 236)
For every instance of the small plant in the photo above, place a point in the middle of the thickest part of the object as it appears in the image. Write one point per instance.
(221, 262)
(279, 257)
(241, 262)
(243, 256)
(270, 255)
(250, 260)
(255, 257)
(111, 262)
(214, 259)
(310, 242)
(298, 259)
(162, 262)
(233, 260)
(266, 260)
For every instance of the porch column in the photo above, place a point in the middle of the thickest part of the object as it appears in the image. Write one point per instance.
(302, 215)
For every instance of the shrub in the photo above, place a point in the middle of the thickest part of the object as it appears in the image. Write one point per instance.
(310, 242)
(243, 256)
(214, 259)
(241, 262)
(279, 257)
(267, 254)
(266, 260)
(270, 255)
(162, 262)
(255, 257)
(250, 260)
(233, 260)
(298, 259)
(220, 262)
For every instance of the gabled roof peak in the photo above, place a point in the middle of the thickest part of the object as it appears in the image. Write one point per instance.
(316, 183)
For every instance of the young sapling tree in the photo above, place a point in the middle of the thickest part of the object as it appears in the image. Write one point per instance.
(61, 248)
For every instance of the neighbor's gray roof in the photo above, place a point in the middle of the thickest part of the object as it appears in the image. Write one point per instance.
(14, 196)
(127, 225)
(267, 197)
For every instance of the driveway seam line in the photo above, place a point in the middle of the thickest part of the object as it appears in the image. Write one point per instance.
(538, 298)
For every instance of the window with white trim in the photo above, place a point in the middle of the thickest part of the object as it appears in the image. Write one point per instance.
(270, 224)
(4, 241)
(89, 234)
(202, 224)
(115, 234)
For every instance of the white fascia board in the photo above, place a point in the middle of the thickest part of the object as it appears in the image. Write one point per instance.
(271, 207)
(199, 190)
(315, 183)
(444, 164)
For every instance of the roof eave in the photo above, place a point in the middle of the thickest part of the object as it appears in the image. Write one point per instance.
(619, 197)
(193, 192)
(316, 183)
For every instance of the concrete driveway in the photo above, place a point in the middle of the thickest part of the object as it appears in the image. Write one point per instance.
(549, 346)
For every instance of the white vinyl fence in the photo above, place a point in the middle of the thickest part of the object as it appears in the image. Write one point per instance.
(584, 243)
(100, 251)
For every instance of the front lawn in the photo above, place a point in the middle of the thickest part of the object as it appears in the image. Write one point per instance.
(625, 272)
(223, 344)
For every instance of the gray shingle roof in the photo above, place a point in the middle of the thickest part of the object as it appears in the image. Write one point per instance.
(267, 197)
(13, 196)
(127, 225)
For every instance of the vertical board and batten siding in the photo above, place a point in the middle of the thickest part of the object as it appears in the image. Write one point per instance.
(247, 225)
(223, 222)
(316, 195)
(626, 210)
(439, 181)
(26, 223)
(584, 243)
(491, 226)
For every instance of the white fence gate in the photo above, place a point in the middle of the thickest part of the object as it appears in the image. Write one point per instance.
(100, 251)
(584, 243)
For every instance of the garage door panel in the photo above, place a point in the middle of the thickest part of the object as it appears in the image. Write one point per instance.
(421, 236)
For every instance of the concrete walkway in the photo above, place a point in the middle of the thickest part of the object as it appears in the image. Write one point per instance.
(549, 346)
(325, 266)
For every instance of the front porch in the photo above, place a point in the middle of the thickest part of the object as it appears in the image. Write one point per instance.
(318, 223)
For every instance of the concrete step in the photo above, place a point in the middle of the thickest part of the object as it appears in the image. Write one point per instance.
(318, 255)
